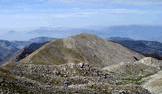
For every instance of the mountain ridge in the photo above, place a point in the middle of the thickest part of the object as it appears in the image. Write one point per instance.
(9, 49)
(147, 48)
(82, 45)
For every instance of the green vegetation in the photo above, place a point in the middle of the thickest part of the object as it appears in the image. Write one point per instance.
(137, 81)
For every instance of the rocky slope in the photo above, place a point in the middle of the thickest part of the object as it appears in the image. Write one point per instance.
(64, 79)
(83, 64)
(137, 71)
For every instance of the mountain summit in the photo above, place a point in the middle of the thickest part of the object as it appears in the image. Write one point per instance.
(83, 48)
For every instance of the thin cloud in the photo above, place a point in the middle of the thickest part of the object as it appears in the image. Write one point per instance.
(129, 2)
(139, 2)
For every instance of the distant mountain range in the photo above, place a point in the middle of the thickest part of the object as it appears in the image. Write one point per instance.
(28, 50)
(150, 33)
(21, 49)
(9, 49)
(137, 32)
(147, 48)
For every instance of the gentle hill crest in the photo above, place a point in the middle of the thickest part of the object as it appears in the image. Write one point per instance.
(82, 48)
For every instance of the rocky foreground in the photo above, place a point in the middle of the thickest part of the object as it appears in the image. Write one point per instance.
(82, 64)
(67, 78)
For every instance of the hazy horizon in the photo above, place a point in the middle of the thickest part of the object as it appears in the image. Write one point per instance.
(136, 32)
(23, 16)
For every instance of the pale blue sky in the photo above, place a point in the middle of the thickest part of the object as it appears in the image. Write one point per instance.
(24, 15)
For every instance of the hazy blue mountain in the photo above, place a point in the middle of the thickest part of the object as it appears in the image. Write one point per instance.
(58, 32)
(19, 44)
(9, 49)
(6, 53)
(6, 50)
(151, 33)
(35, 44)
(148, 48)
(40, 39)
(22, 44)
(138, 32)
(28, 50)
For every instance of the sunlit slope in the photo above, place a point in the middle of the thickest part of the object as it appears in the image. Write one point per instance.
(82, 48)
